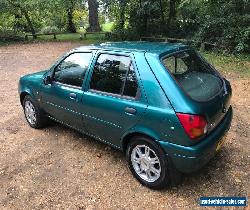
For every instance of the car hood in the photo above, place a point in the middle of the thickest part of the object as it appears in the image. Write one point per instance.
(34, 76)
(31, 80)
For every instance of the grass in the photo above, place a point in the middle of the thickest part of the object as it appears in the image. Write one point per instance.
(72, 37)
(239, 64)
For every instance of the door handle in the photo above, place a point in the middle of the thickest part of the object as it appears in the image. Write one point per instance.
(130, 110)
(72, 96)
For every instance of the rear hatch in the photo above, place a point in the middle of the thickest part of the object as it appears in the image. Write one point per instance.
(201, 83)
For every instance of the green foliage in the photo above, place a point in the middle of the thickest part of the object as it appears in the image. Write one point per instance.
(243, 41)
(9, 35)
(49, 29)
(108, 27)
(80, 18)
(222, 22)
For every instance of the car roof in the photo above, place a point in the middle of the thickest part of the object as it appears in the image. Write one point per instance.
(138, 46)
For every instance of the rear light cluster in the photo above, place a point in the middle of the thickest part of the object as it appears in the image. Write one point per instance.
(194, 125)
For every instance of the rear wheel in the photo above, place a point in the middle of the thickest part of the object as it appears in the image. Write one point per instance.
(33, 114)
(148, 163)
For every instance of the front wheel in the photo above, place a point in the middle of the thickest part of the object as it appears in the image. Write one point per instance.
(148, 163)
(33, 114)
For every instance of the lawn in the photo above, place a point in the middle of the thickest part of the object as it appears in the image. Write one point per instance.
(239, 64)
(74, 37)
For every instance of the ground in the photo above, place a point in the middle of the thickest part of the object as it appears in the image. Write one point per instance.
(58, 168)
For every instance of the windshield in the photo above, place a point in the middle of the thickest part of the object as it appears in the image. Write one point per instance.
(198, 79)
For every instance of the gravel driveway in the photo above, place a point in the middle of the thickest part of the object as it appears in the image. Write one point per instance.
(58, 168)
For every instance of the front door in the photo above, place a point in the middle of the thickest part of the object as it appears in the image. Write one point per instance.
(113, 101)
(62, 97)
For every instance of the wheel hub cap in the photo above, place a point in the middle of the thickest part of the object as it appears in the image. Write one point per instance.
(30, 112)
(145, 164)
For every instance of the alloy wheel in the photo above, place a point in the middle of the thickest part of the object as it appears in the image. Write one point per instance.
(146, 163)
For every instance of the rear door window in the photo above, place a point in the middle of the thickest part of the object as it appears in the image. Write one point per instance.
(198, 79)
(114, 74)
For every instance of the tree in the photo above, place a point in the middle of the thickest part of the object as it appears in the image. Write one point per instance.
(172, 11)
(16, 5)
(122, 5)
(70, 6)
(94, 25)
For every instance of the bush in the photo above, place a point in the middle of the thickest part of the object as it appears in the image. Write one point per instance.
(10, 35)
(243, 41)
(130, 34)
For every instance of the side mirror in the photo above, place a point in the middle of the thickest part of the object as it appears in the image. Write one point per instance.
(47, 80)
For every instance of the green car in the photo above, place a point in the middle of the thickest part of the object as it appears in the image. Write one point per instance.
(161, 103)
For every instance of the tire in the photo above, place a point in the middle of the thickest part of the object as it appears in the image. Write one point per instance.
(155, 170)
(36, 117)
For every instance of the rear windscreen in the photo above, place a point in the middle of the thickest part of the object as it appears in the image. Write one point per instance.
(198, 79)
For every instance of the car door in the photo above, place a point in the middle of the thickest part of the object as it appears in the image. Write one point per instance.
(113, 99)
(62, 96)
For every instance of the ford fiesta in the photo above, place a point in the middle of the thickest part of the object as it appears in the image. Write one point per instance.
(162, 104)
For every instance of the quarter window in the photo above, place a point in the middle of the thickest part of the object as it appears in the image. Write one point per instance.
(114, 74)
(71, 70)
(175, 64)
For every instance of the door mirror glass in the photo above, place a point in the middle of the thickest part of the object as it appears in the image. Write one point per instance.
(47, 80)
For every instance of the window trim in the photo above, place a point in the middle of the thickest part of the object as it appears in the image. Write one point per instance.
(115, 95)
(65, 57)
(67, 85)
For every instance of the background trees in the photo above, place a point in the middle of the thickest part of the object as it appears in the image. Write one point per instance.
(224, 22)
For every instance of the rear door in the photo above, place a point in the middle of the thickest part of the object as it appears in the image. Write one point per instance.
(113, 100)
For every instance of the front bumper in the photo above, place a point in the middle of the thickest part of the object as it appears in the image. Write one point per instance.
(190, 159)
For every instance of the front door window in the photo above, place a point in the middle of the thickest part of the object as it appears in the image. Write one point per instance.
(72, 69)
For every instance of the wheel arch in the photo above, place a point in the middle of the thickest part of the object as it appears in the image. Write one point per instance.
(22, 96)
(129, 135)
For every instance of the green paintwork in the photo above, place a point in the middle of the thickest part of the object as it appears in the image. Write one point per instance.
(103, 117)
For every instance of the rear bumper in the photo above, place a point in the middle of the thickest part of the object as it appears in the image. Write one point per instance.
(190, 159)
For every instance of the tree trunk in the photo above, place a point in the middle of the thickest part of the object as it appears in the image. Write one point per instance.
(162, 12)
(122, 13)
(172, 11)
(26, 15)
(71, 26)
(145, 25)
(163, 24)
(94, 25)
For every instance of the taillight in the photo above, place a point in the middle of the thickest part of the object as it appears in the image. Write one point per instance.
(194, 125)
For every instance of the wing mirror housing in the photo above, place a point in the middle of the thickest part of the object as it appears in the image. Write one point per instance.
(47, 80)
